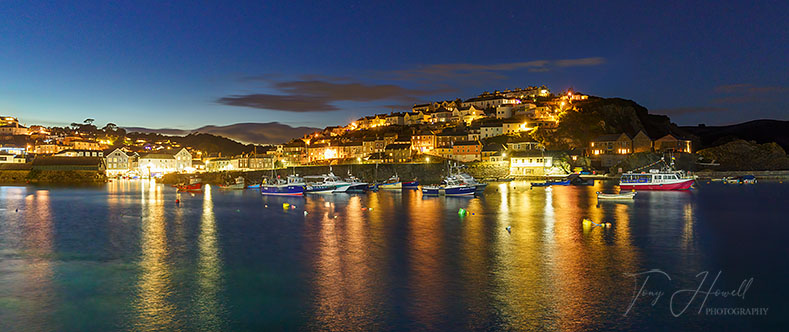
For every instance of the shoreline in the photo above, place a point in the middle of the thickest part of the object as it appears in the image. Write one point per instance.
(254, 176)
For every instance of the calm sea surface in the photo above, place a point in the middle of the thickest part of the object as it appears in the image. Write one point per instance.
(126, 257)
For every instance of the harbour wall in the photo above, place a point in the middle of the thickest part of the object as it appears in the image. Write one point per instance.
(67, 177)
(776, 175)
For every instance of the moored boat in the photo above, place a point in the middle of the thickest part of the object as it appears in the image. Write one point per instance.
(326, 184)
(357, 185)
(745, 179)
(621, 195)
(195, 184)
(411, 185)
(449, 187)
(470, 180)
(655, 180)
(551, 183)
(293, 186)
(238, 185)
(392, 183)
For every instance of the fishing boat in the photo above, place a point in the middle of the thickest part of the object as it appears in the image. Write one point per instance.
(195, 184)
(621, 195)
(470, 180)
(663, 178)
(238, 185)
(357, 185)
(655, 180)
(551, 183)
(745, 179)
(326, 184)
(392, 183)
(411, 185)
(293, 186)
(449, 187)
(462, 177)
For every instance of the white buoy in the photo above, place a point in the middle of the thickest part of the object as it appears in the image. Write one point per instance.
(305, 213)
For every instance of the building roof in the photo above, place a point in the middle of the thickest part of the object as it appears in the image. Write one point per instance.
(448, 134)
(157, 156)
(398, 146)
(672, 137)
(467, 143)
(493, 147)
(535, 153)
(611, 137)
(484, 98)
(524, 139)
(13, 126)
(67, 161)
(296, 143)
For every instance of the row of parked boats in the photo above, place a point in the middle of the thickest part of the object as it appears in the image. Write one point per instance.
(455, 184)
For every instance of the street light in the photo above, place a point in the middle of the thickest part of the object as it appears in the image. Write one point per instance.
(427, 159)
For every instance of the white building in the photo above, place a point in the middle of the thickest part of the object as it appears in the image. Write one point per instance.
(530, 163)
(118, 162)
(504, 112)
(490, 130)
(162, 162)
(489, 101)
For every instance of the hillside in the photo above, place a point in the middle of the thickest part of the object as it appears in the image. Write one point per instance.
(739, 155)
(208, 143)
(760, 131)
(250, 133)
(600, 116)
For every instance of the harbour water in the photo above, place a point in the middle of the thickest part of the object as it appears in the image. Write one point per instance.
(127, 257)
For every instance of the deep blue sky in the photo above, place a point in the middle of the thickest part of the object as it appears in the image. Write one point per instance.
(143, 63)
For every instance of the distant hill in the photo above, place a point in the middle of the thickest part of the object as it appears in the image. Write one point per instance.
(207, 143)
(251, 133)
(761, 131)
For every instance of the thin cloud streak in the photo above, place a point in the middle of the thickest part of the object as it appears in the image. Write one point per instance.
(492, 71)
(290, 103)
(319, 93)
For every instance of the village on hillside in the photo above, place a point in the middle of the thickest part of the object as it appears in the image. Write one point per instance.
(496, 126)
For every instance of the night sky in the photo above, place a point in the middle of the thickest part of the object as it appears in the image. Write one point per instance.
(143, 63)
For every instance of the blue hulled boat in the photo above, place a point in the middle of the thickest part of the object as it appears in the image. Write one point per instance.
(293, 186)
(411, 185)
(449, 187)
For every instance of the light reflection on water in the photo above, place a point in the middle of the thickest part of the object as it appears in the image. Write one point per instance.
(127, 257)
(155, 311)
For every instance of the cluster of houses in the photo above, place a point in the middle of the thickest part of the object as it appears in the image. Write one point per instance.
(608, 150)
(26, 148)
(450, 129)
(460, 130)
